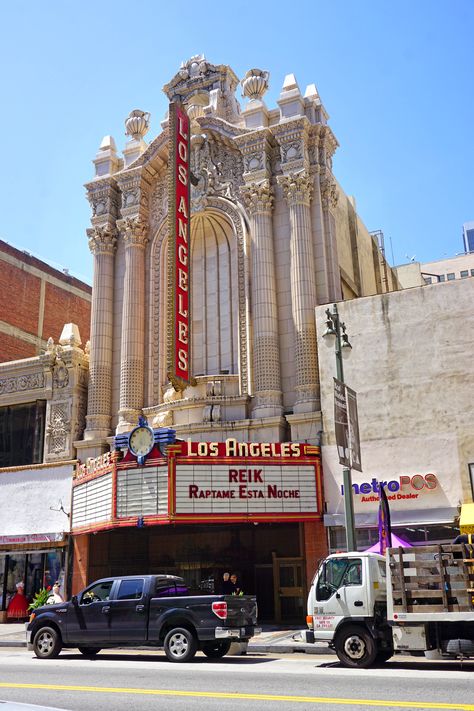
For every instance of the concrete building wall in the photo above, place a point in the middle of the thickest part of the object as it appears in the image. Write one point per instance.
(412, 368)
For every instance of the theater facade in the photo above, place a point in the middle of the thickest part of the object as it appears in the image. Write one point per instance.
(224, 277)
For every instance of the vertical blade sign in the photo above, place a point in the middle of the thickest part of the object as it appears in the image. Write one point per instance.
(179, 250)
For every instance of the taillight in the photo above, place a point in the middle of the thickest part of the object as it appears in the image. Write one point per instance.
(220, 609)
(309, 621)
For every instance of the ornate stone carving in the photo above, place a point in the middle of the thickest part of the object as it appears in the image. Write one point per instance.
(137, 123)
(267, 398)
(217, 169)
(254, 161)
(58, 428)
(80, 422)
(329, 193)
(293, 150)
(60, 373)
(134, 231)
(255, 83)
(98, 423)
(215, 84)
(104, 200)
(159, 203)
(258, 197)
(34, 381)
(297, 187)
(102, 240)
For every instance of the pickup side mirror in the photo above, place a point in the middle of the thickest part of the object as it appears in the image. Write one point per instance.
(74, 600)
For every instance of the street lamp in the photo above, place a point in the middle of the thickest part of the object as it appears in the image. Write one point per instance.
(336, 333)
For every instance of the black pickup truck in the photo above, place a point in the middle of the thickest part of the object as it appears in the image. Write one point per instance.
(143, 610)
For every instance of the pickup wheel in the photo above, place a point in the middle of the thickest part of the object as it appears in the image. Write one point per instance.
(89, 651)
(180, 645)
(47, 643)
(355, 647)
(216, 650)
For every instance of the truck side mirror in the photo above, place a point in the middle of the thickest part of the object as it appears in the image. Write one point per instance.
(74, 600)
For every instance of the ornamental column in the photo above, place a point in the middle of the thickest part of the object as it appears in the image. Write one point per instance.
(103, 245)
(135, 238)
(297, 188)
(266, 362)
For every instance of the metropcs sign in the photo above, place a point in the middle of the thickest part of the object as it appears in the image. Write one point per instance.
(406, 486)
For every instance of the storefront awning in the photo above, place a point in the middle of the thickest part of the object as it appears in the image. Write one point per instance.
(418, 517)
(466, 522)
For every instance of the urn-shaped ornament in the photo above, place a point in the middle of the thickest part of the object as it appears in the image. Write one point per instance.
(137, 124)
(255, 83)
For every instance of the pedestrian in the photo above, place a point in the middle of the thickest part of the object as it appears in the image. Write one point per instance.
(227, 586)
(236, 587)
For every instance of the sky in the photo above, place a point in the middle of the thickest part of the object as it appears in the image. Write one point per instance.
(395, 77)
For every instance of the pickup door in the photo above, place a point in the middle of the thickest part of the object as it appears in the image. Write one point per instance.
(129, 611)
(88, 621)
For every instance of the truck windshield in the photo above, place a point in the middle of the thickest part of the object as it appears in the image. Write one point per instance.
(336, 573)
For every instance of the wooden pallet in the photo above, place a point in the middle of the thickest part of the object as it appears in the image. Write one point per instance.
(432, 578)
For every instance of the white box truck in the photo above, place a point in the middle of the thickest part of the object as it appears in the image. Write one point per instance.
(413, 600)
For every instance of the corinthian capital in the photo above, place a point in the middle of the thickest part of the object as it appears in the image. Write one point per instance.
(297, 187)
(102, 240)
(134, 231)
(258, 197)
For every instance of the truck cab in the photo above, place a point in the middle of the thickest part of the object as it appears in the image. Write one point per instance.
(347, 607)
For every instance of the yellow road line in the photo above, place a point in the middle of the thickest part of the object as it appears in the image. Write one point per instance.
(255, 697)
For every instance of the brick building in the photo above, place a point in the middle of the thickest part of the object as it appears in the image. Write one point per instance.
(36, 301)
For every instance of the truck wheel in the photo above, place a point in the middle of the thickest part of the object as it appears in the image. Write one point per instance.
(355, 647)
(180, 645)
(216, 650)
(47, 643)
(89, 651)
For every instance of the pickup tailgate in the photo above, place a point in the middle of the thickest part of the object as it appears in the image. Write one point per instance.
(241, 611)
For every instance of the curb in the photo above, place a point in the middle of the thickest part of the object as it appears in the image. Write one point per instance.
(258, 648)
(288, 649)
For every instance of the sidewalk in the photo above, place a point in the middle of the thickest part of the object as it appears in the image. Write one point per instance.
(272, 640)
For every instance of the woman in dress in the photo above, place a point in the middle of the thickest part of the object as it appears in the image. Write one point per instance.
(18, 605)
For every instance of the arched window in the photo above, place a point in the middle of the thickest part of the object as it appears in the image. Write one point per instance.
(214, 298)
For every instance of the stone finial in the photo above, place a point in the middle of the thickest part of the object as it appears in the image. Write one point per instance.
(70, 335)
(106, 160)
(311, 92)
(291, 101)
(137, 124)
(255, 84)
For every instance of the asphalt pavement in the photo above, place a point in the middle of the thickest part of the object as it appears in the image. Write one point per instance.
(271, 640)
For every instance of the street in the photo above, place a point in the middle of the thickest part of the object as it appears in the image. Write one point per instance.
(143, 680)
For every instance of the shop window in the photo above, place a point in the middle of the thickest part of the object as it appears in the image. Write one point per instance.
(22, 434)
(451, 276)
(130, 589)
(472, 272)
(464, 273)
(442, 277)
